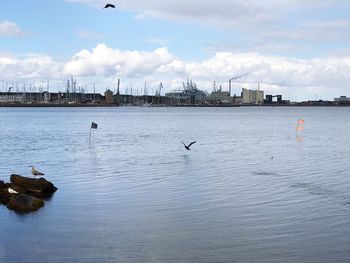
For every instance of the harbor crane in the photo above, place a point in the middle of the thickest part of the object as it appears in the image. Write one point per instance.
(159, 91)
(234, 78)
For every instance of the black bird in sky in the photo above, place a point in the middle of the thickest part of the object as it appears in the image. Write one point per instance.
(188, 146)
(109, 5)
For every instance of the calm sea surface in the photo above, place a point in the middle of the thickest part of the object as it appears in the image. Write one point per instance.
(249, 191)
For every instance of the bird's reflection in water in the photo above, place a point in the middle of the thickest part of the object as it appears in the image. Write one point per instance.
(187, 159)
(187, 166)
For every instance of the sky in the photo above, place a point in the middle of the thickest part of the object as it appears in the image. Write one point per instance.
(298, 48)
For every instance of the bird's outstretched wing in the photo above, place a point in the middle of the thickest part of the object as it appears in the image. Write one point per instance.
(109, 5)
(183, 144)
(191, 144)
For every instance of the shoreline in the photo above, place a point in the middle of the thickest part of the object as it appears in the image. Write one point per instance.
(48, 105)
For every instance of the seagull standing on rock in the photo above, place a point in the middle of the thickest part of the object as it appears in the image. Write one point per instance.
(35, 172)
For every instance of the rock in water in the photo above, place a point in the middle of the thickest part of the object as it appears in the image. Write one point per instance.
(2, 185)
(5, 196)
(23, 203)
(24, 193)
(33, 185)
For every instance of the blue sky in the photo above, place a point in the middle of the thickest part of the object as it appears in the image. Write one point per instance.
(299, 48)
(53, 27)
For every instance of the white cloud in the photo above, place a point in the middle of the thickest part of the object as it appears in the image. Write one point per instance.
(32, 66)
(326, 30)
(10, 29)
(107, 61)
(326, 77)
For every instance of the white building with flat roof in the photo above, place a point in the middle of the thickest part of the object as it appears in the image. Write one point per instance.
(252, 96)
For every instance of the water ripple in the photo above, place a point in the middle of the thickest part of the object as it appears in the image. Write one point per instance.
(135, 194)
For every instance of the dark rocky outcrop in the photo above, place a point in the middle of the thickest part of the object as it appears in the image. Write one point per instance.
(2, 185)
(33, 185)
(5, 196)
(24, 203)
(30, 192)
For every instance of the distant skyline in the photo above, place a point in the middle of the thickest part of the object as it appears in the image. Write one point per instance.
(299, 48)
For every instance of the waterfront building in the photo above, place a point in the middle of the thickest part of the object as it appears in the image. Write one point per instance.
(189, 95)
(109, 96)
(252, 96)
(24, 97)
(342, 100)
(219, 97)
(13, 97)
(238, 100)
(269, 99)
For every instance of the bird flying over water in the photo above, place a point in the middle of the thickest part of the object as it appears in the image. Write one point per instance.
(35, 172)
(188, 146)
(109, 5)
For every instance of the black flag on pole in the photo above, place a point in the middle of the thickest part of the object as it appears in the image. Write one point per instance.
(93, 125)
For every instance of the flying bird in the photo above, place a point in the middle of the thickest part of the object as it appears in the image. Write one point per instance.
(109, 5)
(35, 172)
(188, 146)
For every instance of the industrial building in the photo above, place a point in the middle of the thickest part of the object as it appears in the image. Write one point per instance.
(255, 97)
(269, 99)
(219, 97)
(189, 95)
(342, 100)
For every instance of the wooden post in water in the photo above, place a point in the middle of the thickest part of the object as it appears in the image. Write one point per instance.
(93, 126)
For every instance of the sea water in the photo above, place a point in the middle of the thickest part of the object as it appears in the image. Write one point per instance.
(249, 190)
